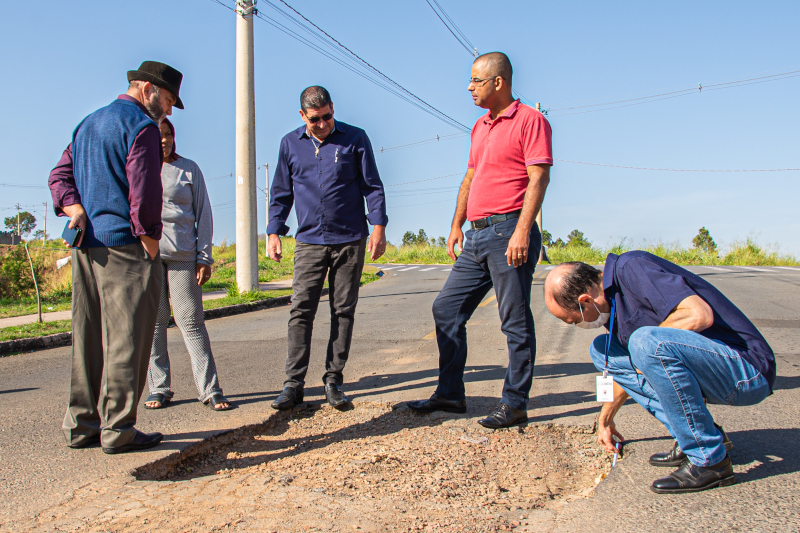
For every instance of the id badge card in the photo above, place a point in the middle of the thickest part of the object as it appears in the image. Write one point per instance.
(605, 389)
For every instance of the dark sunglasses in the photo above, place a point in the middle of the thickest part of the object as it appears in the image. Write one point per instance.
(326, 117)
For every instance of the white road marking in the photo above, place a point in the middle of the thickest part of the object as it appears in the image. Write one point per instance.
(548, 267)
(390, 268)
(716, 268)
(759, 269)
(409, 268)
(426, 269)
(446, 269)
(796, 269)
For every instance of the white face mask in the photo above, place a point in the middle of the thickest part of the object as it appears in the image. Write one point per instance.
(601, 319)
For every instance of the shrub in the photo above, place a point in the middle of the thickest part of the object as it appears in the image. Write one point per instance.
(15, 273)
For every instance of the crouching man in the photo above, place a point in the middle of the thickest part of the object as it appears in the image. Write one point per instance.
(676, 342)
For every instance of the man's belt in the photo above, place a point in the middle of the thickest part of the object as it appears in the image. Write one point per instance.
(494, 219)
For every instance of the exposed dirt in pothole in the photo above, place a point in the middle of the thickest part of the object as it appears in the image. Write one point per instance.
(373, 468)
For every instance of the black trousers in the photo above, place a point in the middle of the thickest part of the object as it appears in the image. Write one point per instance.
(342, 264)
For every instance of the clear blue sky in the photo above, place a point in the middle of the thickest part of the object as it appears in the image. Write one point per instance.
(62, 60)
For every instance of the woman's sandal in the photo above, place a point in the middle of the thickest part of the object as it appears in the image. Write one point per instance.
(218, 399)
(157, 397)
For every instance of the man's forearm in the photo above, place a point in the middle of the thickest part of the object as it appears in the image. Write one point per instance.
(609, 410)
(463, 197)
(692, 314)
(538, 180)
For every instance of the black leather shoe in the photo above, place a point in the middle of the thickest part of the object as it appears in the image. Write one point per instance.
(290, 397)
(141, 441)
(675, 457)
(335, 396)
(88, 442)
(437, 403)
(504, 416)
(691, 478)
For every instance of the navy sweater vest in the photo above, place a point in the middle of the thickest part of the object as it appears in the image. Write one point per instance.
(100, 147)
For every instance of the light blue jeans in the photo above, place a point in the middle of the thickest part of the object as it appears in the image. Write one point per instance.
(678, 370)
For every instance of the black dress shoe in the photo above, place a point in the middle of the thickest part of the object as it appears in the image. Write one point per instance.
(88, 442)
(675, 457)
(691, 478)
(290, 397)
(437, 403)
(504, 416)
(141, 441)
(334, 395)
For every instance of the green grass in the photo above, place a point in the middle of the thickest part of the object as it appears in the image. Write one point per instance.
(223, 273)
(415, 254)
(245, 298)
(47, 328)
(35, 330)
(27, 306)
(746, 253)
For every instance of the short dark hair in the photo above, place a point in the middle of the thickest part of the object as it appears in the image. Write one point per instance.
(498, 64)
(576, 281)
(314, 97)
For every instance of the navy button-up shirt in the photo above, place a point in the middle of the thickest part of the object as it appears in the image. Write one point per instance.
(329, 188)
(647, 289)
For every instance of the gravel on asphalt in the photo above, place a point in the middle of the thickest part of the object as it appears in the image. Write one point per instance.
(376, 467)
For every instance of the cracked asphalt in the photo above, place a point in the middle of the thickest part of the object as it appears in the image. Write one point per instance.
(394, 358)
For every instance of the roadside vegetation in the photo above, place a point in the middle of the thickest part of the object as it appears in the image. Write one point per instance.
(18, 295)
(703, 250)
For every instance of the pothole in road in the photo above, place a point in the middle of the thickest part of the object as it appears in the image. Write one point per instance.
(373, 468)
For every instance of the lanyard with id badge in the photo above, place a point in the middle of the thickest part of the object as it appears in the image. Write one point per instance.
(605, 383)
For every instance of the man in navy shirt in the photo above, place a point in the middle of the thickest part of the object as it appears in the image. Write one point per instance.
(326, 168)
(675, 343)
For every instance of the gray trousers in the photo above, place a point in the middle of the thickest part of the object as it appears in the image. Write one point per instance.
(342, 264)
(115, 294)
(180, 287)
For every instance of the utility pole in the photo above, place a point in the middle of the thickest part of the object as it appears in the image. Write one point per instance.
(18, 219)
(246, 211)
(266, 190)
(44, 234)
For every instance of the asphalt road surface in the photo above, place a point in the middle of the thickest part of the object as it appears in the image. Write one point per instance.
(394, 357)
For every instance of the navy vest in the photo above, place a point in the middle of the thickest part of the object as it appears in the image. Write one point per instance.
(100, 147)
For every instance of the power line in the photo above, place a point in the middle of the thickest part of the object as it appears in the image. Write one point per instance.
(461, 38)
(417, 143)
(23, 186)
(680, 169)
(699, 88)
(429, 179)
(356, 64)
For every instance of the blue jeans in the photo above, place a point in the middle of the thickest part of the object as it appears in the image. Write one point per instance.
(481, 265)
(679, 369)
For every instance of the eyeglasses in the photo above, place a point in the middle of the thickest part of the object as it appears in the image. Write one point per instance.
(326, 117)
(482, 81)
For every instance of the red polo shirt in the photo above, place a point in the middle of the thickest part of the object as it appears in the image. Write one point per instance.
(500, 153)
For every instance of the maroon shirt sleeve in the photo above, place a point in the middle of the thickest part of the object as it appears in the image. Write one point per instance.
(62, 183)
(143, 169)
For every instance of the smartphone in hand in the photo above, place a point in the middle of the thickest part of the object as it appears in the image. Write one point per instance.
(72, 236)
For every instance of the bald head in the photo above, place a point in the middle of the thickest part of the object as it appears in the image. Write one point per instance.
(496, 64)
(570, 283)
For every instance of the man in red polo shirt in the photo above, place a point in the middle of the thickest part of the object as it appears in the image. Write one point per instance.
(502, 192)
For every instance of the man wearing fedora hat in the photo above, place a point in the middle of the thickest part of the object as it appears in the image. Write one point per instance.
(108, 182)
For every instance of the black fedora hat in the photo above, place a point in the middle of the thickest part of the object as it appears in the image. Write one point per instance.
(159, 74)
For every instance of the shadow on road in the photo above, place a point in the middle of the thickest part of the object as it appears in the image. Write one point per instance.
(772, 452)
(193, 461)
(11, 391)
(787, 383)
